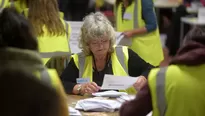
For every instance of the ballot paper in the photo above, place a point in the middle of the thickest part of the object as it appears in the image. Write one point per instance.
(150, 114)
(75, 34)
(124, 98)
(122, 40)
(112, 82)
(73, 112)
(103, 105)
(109, 94)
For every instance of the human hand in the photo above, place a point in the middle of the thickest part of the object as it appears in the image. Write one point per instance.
(90, 88)
(128, 34)
(140, 83)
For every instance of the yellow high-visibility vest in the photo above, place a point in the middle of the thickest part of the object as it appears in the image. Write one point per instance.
(147, 46)
(49, 44)
(119, 59)
(178, 90)
(3, 4)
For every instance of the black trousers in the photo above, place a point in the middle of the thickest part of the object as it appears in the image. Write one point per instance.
(74, 10)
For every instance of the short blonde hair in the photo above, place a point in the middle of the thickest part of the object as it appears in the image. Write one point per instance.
(96, 26)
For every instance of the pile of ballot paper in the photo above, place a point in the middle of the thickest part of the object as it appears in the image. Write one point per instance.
(98, 105)
(125, 98)
(73, 112)
(109, 94)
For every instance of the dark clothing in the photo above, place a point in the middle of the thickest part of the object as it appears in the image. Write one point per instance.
(192, 54)
(74, 10)
(140, 106)
(173, 35)
(136, 67)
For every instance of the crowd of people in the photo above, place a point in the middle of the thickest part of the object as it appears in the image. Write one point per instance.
(32, 28)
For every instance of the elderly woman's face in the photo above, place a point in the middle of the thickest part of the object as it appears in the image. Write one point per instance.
(99, 46)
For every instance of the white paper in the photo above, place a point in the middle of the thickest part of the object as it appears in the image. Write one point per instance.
(121, 40)
(201, 15)
(125, 98)
(109, 94)
(150, 114)
(118, 82)
(73, 112)
(103, 105)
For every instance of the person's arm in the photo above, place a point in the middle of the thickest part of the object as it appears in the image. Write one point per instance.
(149, 17)
(140, 106)
(137, 66)
(69, 76)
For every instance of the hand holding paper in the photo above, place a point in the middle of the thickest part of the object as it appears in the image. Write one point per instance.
(118, 82)
(122, 40)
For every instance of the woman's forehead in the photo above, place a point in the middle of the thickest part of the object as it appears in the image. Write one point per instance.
(100, 38)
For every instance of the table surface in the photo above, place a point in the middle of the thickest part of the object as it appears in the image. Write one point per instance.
(72, 100)
(191, 21)
(165, 4)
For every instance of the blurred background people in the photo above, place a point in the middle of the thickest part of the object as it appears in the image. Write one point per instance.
(22, 94)
(52, 31)
(172, 90)
(137, 21)
(100, 57)
(19, 48)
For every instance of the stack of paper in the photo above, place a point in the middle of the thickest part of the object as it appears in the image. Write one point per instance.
(109, 94)
(73, 112)
(103, 105)
(125, 98)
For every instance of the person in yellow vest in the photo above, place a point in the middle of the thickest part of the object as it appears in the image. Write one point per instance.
(20, 5)
(3, 4)
(52, 31)
(99, 57)
(176, 90)
(137, 20)
(19, 50)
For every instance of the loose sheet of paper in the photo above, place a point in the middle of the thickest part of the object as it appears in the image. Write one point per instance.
(118, 82)
(121, 40)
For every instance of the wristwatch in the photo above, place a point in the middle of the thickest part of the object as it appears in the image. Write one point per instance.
(79, 88)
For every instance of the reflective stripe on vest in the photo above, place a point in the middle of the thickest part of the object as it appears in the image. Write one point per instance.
(119, 53)
(161, 99)
(54, 54)
(135, 15)
(2, 4)
(45, 77)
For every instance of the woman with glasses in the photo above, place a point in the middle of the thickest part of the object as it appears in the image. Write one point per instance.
(99, 57)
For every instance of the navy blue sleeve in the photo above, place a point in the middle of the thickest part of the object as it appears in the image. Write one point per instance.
(148, 15)
(69, 76)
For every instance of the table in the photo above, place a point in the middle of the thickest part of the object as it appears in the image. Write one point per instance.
(72, 100)
(191, 21)
(165, 4)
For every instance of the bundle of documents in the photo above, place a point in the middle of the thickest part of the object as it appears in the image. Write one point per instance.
(109, 94)
(125, 98)
(98, 105)
(73, 112)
